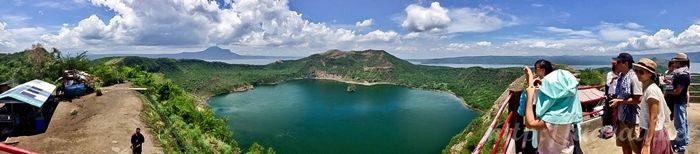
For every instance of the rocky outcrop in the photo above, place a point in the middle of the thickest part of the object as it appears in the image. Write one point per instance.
(242, 88)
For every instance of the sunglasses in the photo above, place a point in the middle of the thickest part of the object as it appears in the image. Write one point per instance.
(640, 71)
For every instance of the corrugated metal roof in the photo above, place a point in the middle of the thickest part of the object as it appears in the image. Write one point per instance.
(34, 92)
(590, 95)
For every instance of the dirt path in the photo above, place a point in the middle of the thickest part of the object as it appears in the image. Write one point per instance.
(93, 124)
(593, 144)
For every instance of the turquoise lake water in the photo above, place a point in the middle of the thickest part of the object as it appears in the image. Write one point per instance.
(320, 116)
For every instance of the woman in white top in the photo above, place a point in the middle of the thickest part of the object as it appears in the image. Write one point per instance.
(652, 116)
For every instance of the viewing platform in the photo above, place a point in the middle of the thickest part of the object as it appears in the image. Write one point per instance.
(507, 123)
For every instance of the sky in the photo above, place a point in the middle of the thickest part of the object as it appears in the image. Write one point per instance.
(406, 28)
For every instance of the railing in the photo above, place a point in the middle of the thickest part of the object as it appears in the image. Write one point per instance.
(694, 95)
(590, 87)
(489, 130)
(512, 101)
(500, 135)
(13, 149)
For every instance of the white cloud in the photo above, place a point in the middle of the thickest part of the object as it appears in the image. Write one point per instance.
(570, 32)
(604, 31)
(601, 38)
(541, 44)
(484, 43)
(457, 46)
(27, 34)
(413, 35)
(562, 44)
(259, 26)
(596, 49)
(439, 19)
(202, 22)
(536, 5)
(420, 18)
(664, 39)
(13, 39)
(633, 25)
(364, 23)
(378, 35)
(406, 48)
(6, 39)
(464, 46)
(15, 19)
(619, 32)
(477, 20)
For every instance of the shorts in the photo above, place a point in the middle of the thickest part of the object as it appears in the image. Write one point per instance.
(626, 135)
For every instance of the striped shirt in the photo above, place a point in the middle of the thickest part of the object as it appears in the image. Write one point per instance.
(627, 86)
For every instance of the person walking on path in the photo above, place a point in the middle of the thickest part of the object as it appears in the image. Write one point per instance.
(137, 141)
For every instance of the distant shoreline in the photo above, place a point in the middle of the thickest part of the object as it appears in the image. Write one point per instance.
(355, 82)
(389, 83)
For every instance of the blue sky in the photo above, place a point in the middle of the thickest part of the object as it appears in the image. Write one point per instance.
(406, 28)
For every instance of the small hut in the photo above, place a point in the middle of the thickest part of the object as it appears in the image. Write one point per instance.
(24, 106)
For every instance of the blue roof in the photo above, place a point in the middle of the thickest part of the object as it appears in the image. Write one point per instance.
(34, 92)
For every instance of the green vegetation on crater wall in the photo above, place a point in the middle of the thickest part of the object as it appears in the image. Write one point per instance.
(478, 87)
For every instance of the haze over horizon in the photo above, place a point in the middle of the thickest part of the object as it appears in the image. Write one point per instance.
(405, 28)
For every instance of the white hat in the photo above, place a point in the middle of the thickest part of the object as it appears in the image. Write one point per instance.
(680, 57)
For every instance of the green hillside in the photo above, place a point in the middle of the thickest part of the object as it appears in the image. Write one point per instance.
(181, 123)
(479, 87)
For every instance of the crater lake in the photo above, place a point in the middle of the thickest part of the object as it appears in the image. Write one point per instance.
(323, 116)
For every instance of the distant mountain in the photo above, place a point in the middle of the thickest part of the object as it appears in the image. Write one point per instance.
(528, 60)
(211, 53)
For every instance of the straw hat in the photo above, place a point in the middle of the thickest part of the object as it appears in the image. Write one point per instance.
(646, 64)
(680, 57)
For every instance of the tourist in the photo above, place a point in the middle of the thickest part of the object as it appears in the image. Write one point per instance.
(610, 83)
(611, 79)
(137, 141)
(652, 115)
(668, 88)
(542, 68)
(557, 114)
(680, 82)
(627, 97)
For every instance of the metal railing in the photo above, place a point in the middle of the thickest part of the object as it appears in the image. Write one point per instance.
(14, 150)
(489, 130)
(508, 130)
